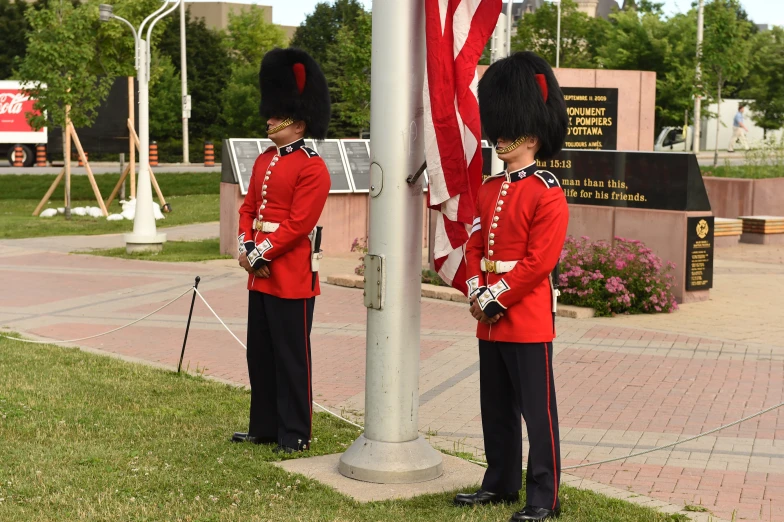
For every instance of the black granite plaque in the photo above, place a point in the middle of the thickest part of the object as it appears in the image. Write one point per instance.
(332, 156)
(699, 253)
(593, 118)
(652, 180)
(244, 154)
(358, 159)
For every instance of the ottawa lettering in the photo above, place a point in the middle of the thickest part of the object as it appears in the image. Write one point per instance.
(586, 131)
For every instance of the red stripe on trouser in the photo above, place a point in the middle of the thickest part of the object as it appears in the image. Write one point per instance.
(307, 360)
(550, 417)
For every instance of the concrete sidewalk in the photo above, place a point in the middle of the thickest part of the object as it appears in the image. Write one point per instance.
(624, 384)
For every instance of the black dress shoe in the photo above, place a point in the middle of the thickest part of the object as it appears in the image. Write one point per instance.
(483, 497)
(244, 437)
(535, 513)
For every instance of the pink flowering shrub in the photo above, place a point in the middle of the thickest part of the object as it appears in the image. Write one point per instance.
(625, 278)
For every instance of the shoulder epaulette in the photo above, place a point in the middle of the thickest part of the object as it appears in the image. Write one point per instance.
(548, 178)
(310, 152)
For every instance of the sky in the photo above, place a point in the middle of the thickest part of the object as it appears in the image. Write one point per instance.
(293, 12)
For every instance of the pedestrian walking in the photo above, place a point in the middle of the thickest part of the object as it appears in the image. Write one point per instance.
(739, 130)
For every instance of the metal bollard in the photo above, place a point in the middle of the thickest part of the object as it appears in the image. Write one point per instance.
(209, 154)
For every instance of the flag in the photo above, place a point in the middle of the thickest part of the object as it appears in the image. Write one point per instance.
(456, 34)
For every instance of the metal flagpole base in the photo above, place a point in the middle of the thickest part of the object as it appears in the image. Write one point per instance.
(391, 462)
(144, 243)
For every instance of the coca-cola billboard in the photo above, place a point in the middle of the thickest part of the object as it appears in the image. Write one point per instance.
(14, 105)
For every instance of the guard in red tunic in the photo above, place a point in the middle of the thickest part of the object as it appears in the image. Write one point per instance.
(279, 248)
(515, 244)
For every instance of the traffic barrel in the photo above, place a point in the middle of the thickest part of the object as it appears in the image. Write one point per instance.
(81, 163)
(209, 154)
(40, 155)
(18, 156)
(153, 154)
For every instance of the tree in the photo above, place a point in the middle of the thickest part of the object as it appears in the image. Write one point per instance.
(240, 102)
(61, 75)
(579, 34)
(647, 42)
(725, 50)
(766, 79)
(61, 70)
(250, 36)
(114, 42)
(320, 29)
(348, 73)
(165, 99)
(209, 72)
(13, 31)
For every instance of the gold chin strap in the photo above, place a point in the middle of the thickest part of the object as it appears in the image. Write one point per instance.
(509, 148)
(280, 126)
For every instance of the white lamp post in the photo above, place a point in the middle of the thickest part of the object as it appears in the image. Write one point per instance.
(558, 36)
(144, 237)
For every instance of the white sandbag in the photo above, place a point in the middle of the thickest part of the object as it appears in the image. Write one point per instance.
(94, 212)
(79, 211)
(49, 212)
(114, 217)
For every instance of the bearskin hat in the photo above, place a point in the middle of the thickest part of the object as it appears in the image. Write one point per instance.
(293, 86)
(519, 96)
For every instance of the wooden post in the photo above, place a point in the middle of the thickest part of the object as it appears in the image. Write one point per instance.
(49, 193)
(79, 148)
(117, 187)
(132, 127)
(67, 152)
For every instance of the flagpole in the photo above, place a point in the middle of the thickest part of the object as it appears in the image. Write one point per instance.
(391, 449)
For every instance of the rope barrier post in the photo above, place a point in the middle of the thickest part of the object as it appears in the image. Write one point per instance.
(188, 326)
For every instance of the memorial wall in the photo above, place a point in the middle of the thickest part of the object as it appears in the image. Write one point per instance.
(613, 186)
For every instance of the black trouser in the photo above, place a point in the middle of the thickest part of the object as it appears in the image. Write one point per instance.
(516, 379)
(279, 366)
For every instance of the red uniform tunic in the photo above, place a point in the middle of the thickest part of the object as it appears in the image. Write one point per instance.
(289, 187)
(522, 217)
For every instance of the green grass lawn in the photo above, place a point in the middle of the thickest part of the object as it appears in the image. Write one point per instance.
(194, 198)
(175, 251)
(744, 171)
(86, 437)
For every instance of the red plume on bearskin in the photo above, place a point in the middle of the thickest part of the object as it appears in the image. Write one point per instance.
(519, 96)
(293, 86)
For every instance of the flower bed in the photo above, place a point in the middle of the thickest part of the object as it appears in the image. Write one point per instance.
(624, 278)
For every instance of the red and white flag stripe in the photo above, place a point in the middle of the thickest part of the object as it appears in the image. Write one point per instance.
(456, 34)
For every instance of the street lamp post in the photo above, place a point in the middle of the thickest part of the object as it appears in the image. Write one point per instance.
(558, 37)
(698, 98)
(144, 237)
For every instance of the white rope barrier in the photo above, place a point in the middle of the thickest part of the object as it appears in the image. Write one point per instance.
(326, 410)
(584, 465)
(100, 334)
(245, 347)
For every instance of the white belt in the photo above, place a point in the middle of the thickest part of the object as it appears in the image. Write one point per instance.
(265, 226)
(497, 267)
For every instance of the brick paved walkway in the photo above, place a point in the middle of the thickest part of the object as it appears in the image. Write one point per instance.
(624, 384)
